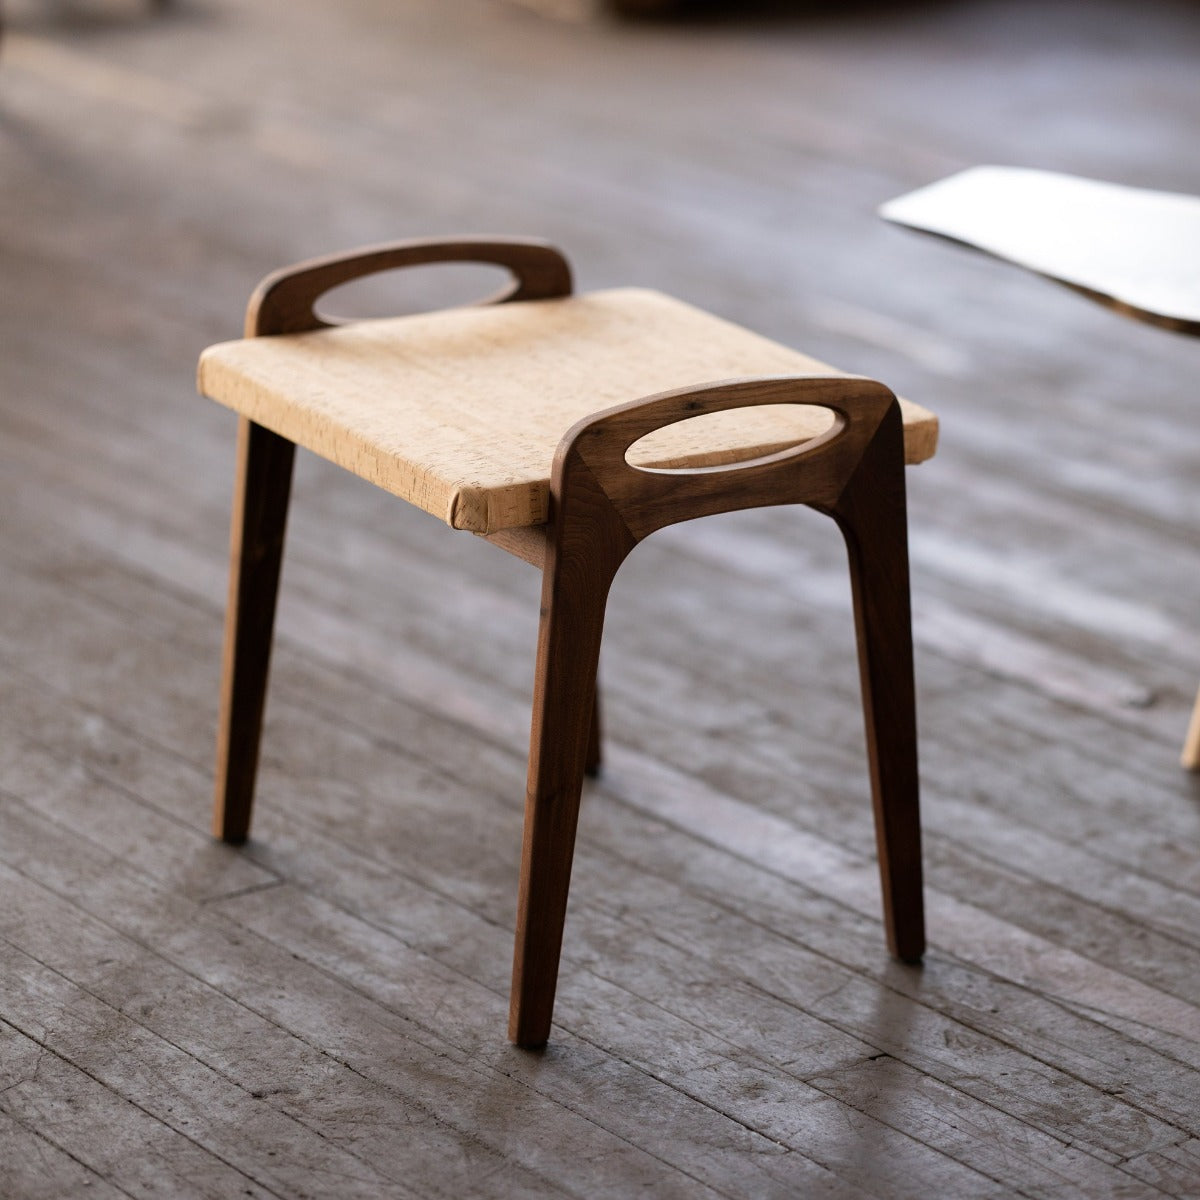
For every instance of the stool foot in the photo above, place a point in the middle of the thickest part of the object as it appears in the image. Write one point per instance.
(872, 514)
(1190, 758)
(260, 501)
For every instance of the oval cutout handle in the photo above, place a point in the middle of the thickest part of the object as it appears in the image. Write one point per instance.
(648, 499)
(730, 440)
(284, 301)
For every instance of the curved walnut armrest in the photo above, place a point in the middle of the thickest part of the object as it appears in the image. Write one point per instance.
(593, 453)
(283, 302)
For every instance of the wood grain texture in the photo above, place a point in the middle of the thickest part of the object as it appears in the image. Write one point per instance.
(284, 303)
(602, 506)
(459, 412)
(263, 475)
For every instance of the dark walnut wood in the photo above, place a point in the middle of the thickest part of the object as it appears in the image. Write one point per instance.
(262, 485)
(601, 508)
(283, 303)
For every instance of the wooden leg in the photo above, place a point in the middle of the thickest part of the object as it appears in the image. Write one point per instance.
(1191, 745)
(591, 766)
(871, 513)
(260, 500)
(574, 591)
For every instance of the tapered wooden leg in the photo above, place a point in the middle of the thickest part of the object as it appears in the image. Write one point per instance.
(1191, 745)
(872, 515)
(260, 501)
(577, 576)
(591, 766)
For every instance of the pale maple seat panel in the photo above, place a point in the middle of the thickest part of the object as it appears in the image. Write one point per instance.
(460, 411)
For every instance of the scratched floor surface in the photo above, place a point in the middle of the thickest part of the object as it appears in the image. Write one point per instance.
(322, 1013)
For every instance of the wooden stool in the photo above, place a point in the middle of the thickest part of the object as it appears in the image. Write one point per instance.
(1133, 250)
(518, 420)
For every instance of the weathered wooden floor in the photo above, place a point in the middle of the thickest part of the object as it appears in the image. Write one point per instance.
(322, 1013)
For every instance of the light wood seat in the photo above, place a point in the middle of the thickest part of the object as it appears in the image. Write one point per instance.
(559, 428)
(1133, 250)
(460, 411)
